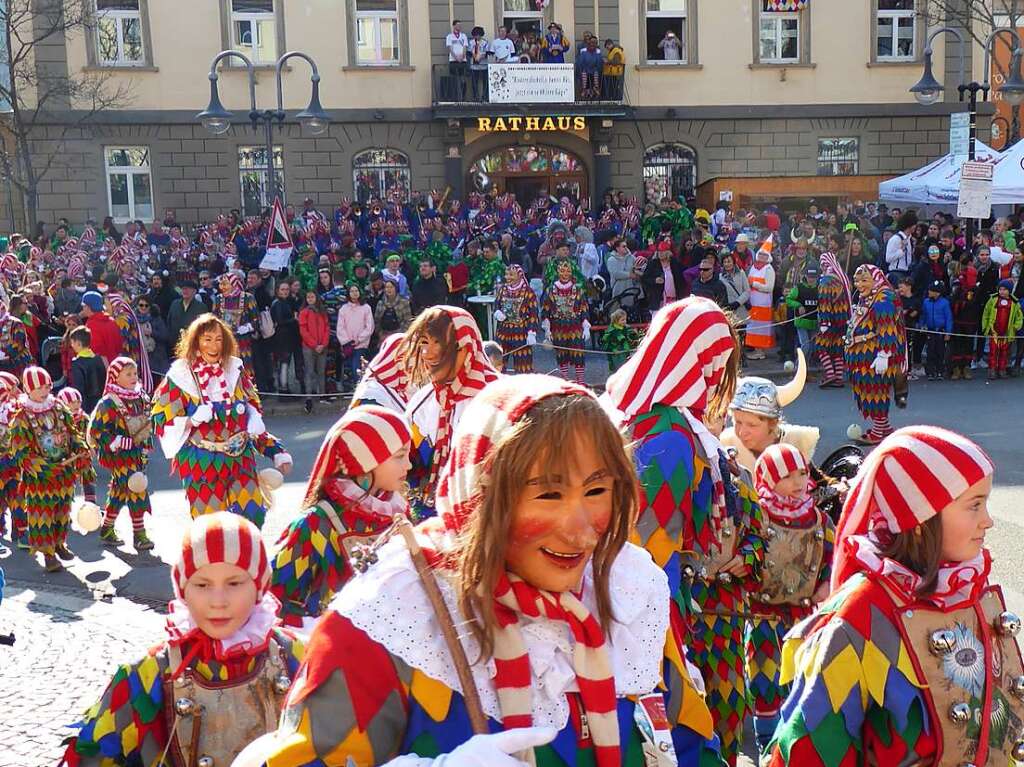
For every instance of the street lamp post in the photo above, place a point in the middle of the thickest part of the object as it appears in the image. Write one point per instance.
(216, 119)
(928, 90)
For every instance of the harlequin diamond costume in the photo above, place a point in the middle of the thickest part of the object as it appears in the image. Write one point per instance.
(71, 398)
(693, 520)
(15, 354)
(49, 452)
(876, 351)
(564, 314)
(378, 686)
(194, 699)
(10, 390)
(239, 310)
(517, 320)
(131, 332)
(120, 431)
(314, 555)
(797, 567)
(908, 672)
(207, 418)
(834, 299)
(385, 381)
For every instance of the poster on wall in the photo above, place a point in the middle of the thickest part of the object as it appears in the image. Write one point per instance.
(531, 83)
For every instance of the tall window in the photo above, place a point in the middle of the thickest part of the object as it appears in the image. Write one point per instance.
(524, 15)
(377, 35)
(380, 173)
(257, 191)
(666, 31)
(670, 171)
(838, 156)
(129, 183)
(254, 30)
(119, 33)
(779, 35)
(895, 35)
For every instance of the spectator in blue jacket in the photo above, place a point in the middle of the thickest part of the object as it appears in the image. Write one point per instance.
(937, 321)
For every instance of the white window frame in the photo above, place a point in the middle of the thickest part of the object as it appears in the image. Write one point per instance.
(120, 16)
(254, 18)
(684, 38)
(778, 17)
(835, 163)
(130, 171)
(377, 17)
(381, 170)
(534, 15)
(895, 16)
(266, 192)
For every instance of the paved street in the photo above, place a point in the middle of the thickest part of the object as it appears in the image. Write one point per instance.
(73, 627)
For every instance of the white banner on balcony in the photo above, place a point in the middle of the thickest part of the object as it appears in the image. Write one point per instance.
(531, 83)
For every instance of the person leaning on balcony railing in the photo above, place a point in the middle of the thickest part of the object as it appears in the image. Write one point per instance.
(479, 50)
(589, 62)
(614, 69)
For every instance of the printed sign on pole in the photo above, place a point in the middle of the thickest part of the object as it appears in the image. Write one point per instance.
(975, 190)
(959, 135)
(279, 241)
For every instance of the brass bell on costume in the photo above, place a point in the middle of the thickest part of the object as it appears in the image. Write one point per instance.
(205, 761)
(1017, 752)
(1017, 686)
(725, 578)
(770, 532)
(1007, 623)
(819, 535)
(942, 642)
(960, 713)
(282, 682)
(185, 706)
(805, 602)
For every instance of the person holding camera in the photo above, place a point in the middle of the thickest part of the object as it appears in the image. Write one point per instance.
(671, 47)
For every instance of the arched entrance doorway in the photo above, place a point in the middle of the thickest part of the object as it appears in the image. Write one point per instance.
(530, 171)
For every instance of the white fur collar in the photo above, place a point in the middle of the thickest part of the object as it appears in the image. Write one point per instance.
(803, 438)
(389, 604)
(180, 374)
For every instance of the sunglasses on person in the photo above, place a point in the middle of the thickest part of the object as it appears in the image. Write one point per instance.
(707, 269)
(142, 305)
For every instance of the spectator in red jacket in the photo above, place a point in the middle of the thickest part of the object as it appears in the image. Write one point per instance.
(316, 334)
(106, 335)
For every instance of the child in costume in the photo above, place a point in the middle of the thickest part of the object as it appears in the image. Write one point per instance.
(1000, 321)
(619, 340)
(517, 319)
(564, 312)
(530, 555)
(15, 354)
(913, 657)
(207, 417)
(218, 678)
(700, 527)
(10, 390)
(49, 452)
(444, 355)
(354, 494)
(385, 381)
(795, 575)
(833, 317)
(71, 398)
(239, 311)
(966, 323)
(876, 349)
(121, 433)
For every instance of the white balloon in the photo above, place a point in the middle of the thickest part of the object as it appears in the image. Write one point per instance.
(272, 478)
(788, 366)
(89, 517)
(138, 482)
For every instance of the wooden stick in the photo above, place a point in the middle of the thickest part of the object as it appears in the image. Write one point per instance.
(469, 693)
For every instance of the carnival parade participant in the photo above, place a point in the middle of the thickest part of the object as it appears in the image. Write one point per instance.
(354, 493)
(385, 380)
(217, 679)
(207, 417)
(120, 431)
(913, 657)
(134, 346)
(10, 390)
(517, 319)
(15, 354)
(762, 282)
(240, 313)
(564, 313)
(702, 530)
(443, 354)
(1001, 321)
(795, 575)
(72, 399)
(530, 557)
(876, 349)
(48, 450)
(834, 301)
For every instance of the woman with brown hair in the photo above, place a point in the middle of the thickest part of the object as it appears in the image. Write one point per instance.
(566, 651)
(208, 419)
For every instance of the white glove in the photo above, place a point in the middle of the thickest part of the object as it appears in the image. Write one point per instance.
(881, 364)
(202, 414)
(586, 330)
(282, 459)
(499, 316)
(244, 330)
(3, 355)
(531, 338)
(485, 750)
(121, 443)
(546, 327)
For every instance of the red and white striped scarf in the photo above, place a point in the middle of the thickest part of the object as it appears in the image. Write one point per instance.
(389, 369)
(830, 265)
(475, 374)
(212, 380)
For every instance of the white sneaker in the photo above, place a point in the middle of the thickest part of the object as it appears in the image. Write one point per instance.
(983, 364)
(974, 365)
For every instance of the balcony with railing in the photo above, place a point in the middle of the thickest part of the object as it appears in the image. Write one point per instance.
(526, 89)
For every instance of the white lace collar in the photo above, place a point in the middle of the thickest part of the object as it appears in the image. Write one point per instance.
(389, 604)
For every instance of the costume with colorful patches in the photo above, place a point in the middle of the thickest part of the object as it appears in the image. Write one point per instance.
(564, 312)
(239, 310)
(196, 695)
(15, 354)
(833, 317)
(211, 434)
(517, 320)
(1001, 321)
(71, 398)
(693, 520)
(890, 666)
(379, 688)
(10, 474)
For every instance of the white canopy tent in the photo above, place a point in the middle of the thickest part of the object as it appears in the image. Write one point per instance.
(937, 183)
(1008, 177)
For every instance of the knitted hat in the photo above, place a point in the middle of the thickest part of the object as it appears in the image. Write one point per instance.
(9, 381)
(937, 286)
(119, 364)
(34, 377)
(234, 281)
(222, 537)
(93, 300)
(359, 441)
(914, 474)
(775, 463)
(68, 395)
(1008, 284)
